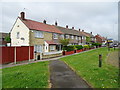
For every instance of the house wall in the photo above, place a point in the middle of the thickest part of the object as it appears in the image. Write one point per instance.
(39, 41)
(20, 27)
(98, 40)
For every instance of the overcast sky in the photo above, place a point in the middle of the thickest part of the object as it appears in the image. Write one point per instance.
(97, 17)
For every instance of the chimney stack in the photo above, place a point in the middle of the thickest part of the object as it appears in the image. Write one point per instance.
(79, 29)
(44, 21)
(72, 27)
(23, 15)
(90, 32)
(66, 26)
(56, 23)
(82, 30)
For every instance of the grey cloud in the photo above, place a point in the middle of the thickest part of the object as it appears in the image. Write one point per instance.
(98, 17)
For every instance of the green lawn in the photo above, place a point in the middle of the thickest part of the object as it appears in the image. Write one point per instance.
(86, 65)
(35, 75)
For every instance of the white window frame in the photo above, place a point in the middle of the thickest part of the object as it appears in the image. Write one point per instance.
(52, 47)
(39, 34)
(18, 35)
(55, 36)
(67, 36)
(72, 37)
(79, 38)
(76, 37)
(38, 48)
(62, 36)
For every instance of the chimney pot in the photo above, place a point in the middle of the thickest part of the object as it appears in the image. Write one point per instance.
(44, 21)
(23, 15)
(56, 23)
(66, 26)
(82, 30)
(79, 29)
(72, 27)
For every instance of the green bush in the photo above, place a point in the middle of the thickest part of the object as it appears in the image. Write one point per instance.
(96, 44)
(69, 48)
(86, 46)
(78, 47)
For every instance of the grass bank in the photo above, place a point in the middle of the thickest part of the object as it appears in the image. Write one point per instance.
(34, 75)
(86, 65)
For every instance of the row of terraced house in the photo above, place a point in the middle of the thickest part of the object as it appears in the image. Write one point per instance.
(44, 37)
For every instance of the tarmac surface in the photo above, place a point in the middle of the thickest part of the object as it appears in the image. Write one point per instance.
(63, 77)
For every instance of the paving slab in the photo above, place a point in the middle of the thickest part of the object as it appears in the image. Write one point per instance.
(63, 77)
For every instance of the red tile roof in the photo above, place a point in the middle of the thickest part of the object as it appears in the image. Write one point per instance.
(34, 25)
(103, 38)
(51, 42)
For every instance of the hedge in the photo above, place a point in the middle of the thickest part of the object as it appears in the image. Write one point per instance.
(69, 48)
(78, 47)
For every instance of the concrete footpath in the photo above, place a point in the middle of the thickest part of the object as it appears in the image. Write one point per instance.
(63, 77)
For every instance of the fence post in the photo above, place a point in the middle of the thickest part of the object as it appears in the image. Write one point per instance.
(29, 53)
(100, 60)
(15, 55)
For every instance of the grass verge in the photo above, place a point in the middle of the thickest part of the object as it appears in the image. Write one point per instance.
(86, 65)
(34, 75)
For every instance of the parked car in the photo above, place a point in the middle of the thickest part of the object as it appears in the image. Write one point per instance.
(115, 45)
(103, 45)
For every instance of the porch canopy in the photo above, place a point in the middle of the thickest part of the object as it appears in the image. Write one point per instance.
(52, 42)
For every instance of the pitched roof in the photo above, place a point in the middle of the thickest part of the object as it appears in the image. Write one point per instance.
(69, 31)
(87, 34)
(35, 25)
(103, 38)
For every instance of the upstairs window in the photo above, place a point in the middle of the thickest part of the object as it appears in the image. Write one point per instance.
(67, 36)
(76, 37)
(39, 34)
(55, 36)
(62, 36)
(18, 35)
(72, 37)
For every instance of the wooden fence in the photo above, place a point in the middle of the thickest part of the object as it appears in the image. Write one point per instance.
(15, 54)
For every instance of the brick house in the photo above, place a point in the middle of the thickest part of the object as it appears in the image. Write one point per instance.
(100, 39)
(74, 35)
(86, 34)
(26, 32)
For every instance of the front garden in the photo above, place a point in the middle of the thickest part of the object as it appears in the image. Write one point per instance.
(71, 49)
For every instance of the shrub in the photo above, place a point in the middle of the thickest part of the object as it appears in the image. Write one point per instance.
(69, 48)
(78, 47)
(96, 44)
(7, 39)
(86, 46)
(64, 42)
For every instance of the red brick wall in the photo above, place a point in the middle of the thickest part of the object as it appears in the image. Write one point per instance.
(98, 40)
